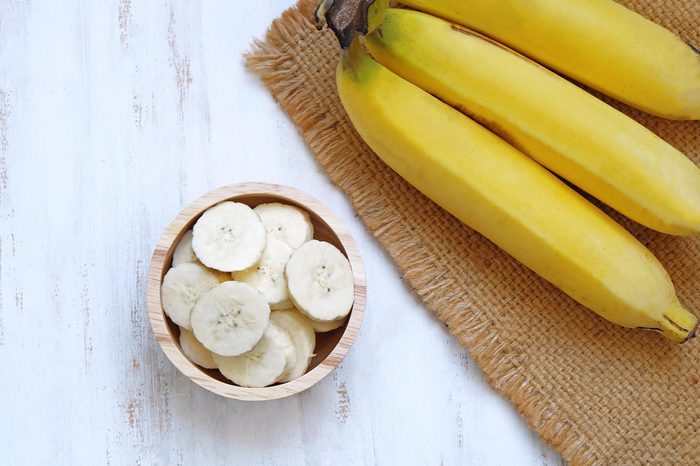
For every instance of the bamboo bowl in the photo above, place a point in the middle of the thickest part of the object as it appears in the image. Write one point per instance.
(331, 347)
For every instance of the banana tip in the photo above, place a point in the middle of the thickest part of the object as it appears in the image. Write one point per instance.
(693, 332)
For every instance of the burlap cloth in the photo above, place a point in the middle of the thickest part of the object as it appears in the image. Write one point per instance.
(598, 393)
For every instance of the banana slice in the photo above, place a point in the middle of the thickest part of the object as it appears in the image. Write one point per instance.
(230, 318)
(303, 337)
(320, 281)
(322, 327)
(181, 288)
(268, 274)
(290, 351)
(228, 237)
(286, 223)
(195, 351)
(183, 251)
(268, 362)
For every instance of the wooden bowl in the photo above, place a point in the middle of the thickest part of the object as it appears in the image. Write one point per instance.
(331, 347)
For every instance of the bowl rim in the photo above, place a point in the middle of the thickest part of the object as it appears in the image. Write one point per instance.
(167, 242)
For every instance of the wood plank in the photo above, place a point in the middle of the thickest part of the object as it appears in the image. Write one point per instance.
(113, 116)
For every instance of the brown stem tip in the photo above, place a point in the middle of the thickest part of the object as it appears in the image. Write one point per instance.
(345, 18)
(693, 333)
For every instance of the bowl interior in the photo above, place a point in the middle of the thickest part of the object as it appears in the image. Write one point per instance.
(325, 342)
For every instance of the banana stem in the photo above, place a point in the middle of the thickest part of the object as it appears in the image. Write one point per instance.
(346, 18)
(353, 54)
(321, 11)
(678, 324)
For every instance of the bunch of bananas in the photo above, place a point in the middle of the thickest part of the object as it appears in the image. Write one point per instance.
(477, 127)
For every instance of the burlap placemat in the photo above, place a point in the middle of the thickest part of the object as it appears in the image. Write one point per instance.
(598, 393)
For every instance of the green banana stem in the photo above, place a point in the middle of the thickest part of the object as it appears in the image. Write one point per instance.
(346, 18)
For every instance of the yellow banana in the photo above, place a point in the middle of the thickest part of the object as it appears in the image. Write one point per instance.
(566, 129)
(509, 198)
(597, 42)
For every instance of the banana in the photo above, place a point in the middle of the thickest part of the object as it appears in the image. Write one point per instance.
(285, 341)
(320, 281)
(299, 328)
(183, 251)
(181, 288)
(195, 351)
(322, 327)
(509, 198)
(597, 42)
(230, 318)
(566, 129)
(270, 361)
(228, 237)
(268, 274)
(286, 223)
(362, 16)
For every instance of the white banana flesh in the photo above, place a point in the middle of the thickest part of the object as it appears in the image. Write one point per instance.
(230, 318)
(229, 237)
(183, 251)
(195, 351)
(286, 223)
(323, 327)
(230, 271)
(299, 328)
(181, 288)
(268, 274)
(320, 281)
(268, 362)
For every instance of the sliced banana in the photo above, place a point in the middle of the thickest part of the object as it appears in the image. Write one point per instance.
(228, 237)
(183, 251)
(195, 351)
(303, 337)
(230, 318)
(268, 362)
(268, 274)
(290, 352)
(181, 288)
(320, 281)
(322, 327)
(286, 223)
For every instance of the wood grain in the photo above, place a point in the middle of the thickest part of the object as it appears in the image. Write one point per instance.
(114, 115)
(331, 347)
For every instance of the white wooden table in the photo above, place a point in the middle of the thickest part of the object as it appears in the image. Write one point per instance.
(113, 115)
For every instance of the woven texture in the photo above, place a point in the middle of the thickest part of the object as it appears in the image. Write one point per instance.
(598, 393)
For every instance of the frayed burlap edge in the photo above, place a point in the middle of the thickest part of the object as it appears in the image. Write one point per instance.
(271, 60)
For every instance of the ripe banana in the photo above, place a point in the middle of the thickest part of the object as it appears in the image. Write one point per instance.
(597, 42)
(566, 129)
(509, 198)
